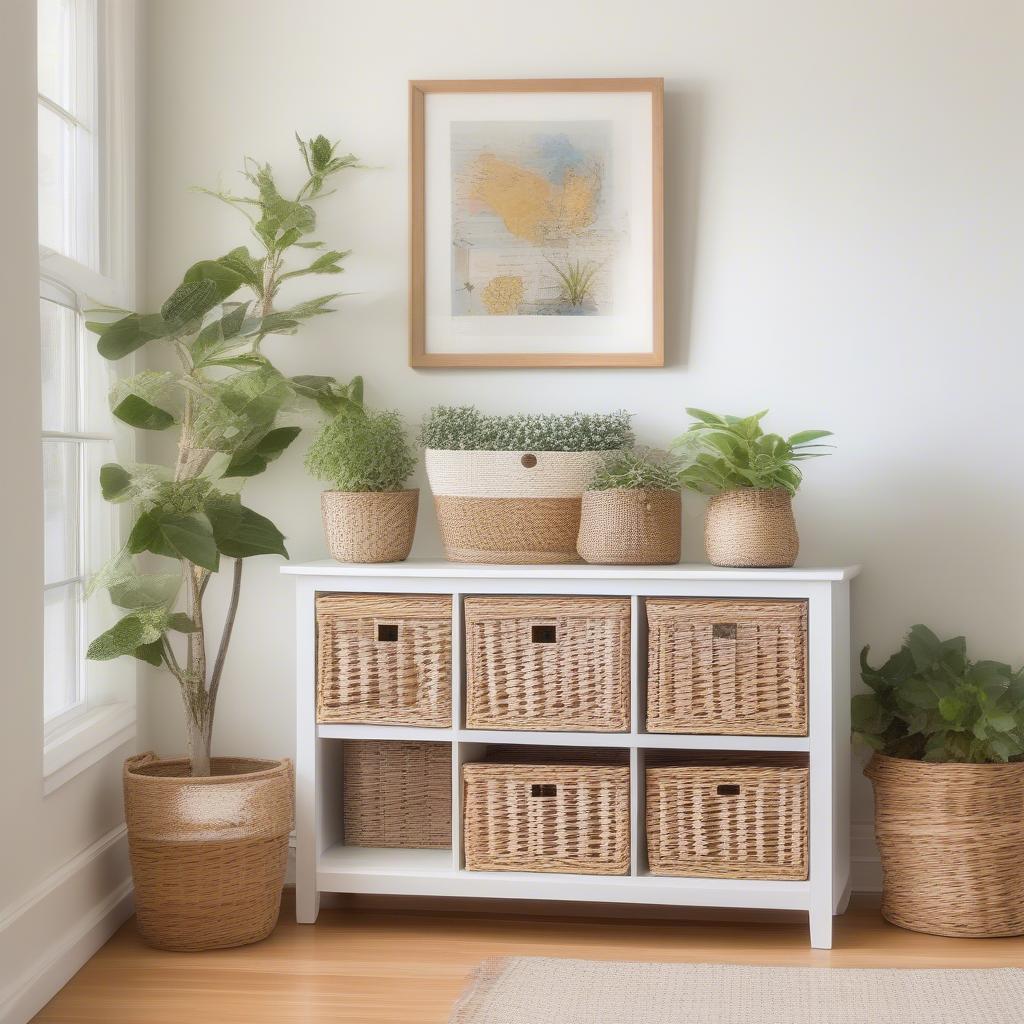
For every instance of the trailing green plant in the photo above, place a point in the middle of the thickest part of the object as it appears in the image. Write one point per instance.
(465, 428)
(725, 453)
(929, 702)
(226, 401)
(369, 452)
(576, 280)
(637, 469)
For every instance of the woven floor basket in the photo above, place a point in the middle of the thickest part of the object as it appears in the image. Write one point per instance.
(384, 659)
(727, 667)
(951, 837)
(630, 527)
(560, 664)
(555, 818)
(208, 854)
(732, 816)
(751, 528)
(369, 526)
(397, 793)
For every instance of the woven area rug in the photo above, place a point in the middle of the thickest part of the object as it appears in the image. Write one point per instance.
(534, 990)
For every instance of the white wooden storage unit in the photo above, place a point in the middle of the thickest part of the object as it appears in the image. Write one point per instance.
(325, 864)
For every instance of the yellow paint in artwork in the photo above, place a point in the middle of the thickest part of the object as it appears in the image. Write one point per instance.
(501, 295)
(579, 201)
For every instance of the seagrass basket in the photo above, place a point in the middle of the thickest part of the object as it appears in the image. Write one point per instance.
(369, 526)
(727, 666)
(397, 793)
(728, 816)
(384, 659)
(554, 663)
(751, 527)
(630, 527)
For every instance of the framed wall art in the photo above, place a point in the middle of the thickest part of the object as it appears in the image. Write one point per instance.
(536, 222)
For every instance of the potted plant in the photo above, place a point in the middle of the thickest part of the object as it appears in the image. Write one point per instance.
(631, 511)
(369, 516)
(507, 488)
(751, 477)
(209, 836)
(948, 736)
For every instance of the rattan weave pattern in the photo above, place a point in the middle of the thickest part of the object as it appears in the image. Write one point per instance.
(751, 527)
(630, 527)
(369, 526)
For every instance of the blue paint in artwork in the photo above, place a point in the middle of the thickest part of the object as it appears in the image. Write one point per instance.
(558, 154)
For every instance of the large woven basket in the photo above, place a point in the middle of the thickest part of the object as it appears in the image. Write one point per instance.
(727, 666)
(516, 508)
(951, 837)
(554, 663)
(397, 793)
(369, 526)
(384, 659)
(630, 527)
(728, 816)
(751, 528)
(209, 854)
(571, 818)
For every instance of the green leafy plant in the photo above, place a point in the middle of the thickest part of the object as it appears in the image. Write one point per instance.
(637, 469)
(725, 453)
(576, 280)
(465, 428)
(226, 401)
(369, 452)
(929, 702)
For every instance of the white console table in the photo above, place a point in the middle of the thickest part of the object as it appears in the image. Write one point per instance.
(325, 864)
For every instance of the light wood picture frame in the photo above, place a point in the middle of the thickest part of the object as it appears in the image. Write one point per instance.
(537, 223)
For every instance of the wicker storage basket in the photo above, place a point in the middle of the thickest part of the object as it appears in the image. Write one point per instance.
(728, 816)
(571, 818)
(630, 527)
(727, 667)
(369, 526)
(397, 793)
(751, 527)
(554, 663)
(951, 838)
(208, 854)
(384, 659)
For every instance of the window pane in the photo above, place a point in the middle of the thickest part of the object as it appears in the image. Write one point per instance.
(56, 159)
(100, 517)
(61, 655)
(55, 51)
(58, 326)
(60, 510)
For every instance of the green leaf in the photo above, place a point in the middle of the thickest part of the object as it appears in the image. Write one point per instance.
(115, 481)
(255, 460)
(868, 715)
(806, 436)
(239, 531)
(176, 535)
(223, 275)
(951, 708)
(219, 335)
(181, 623)
(246, 266)
(137, 412)
(924, 646)
(129, 333)
(145, 590)
(151, 653)
(122, 638)
(190, 301)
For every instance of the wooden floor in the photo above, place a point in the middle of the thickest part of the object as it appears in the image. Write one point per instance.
(407, 966)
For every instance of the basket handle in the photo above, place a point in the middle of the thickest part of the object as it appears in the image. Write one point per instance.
(723, 631)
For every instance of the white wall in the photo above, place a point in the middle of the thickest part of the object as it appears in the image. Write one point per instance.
(843, 244)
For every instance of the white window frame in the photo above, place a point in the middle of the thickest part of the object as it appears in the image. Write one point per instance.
(106, 716)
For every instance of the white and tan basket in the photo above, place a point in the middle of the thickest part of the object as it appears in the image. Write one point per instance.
(512, 508)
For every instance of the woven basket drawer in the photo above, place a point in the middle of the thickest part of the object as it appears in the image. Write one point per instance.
(385, 659)
(727, 667)
(732, 819)
(559, 664)
(397, 793)
(556, 817)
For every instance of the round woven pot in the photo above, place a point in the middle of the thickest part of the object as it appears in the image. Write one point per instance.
(630, 527)
(370, 526)
(751, 528)
(209, 854)
(513, 508)
(951, 838)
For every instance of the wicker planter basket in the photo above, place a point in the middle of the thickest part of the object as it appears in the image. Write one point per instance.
(951, 838)
(751, 528)
(727, 667)
(554, 663)
(728, 816)
(513, 508)
(546, 817)
(369, 526)
(397, 793)
(384, 659)
(208, 855)
(630, 527)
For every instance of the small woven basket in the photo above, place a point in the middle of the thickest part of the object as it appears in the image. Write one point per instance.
(630, 527)
(384, 659)
(397, 793)
(751, 528)
(208, 854)
(559, 664)
(730, 816)
(369, 526)
(951, 837)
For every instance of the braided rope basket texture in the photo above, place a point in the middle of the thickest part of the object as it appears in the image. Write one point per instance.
(209, 854)
(951, 838)
(369, 526)
(384, 659)
(751, 528)
(630, 527)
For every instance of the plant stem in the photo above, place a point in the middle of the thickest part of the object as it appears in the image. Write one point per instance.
(225, 639)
